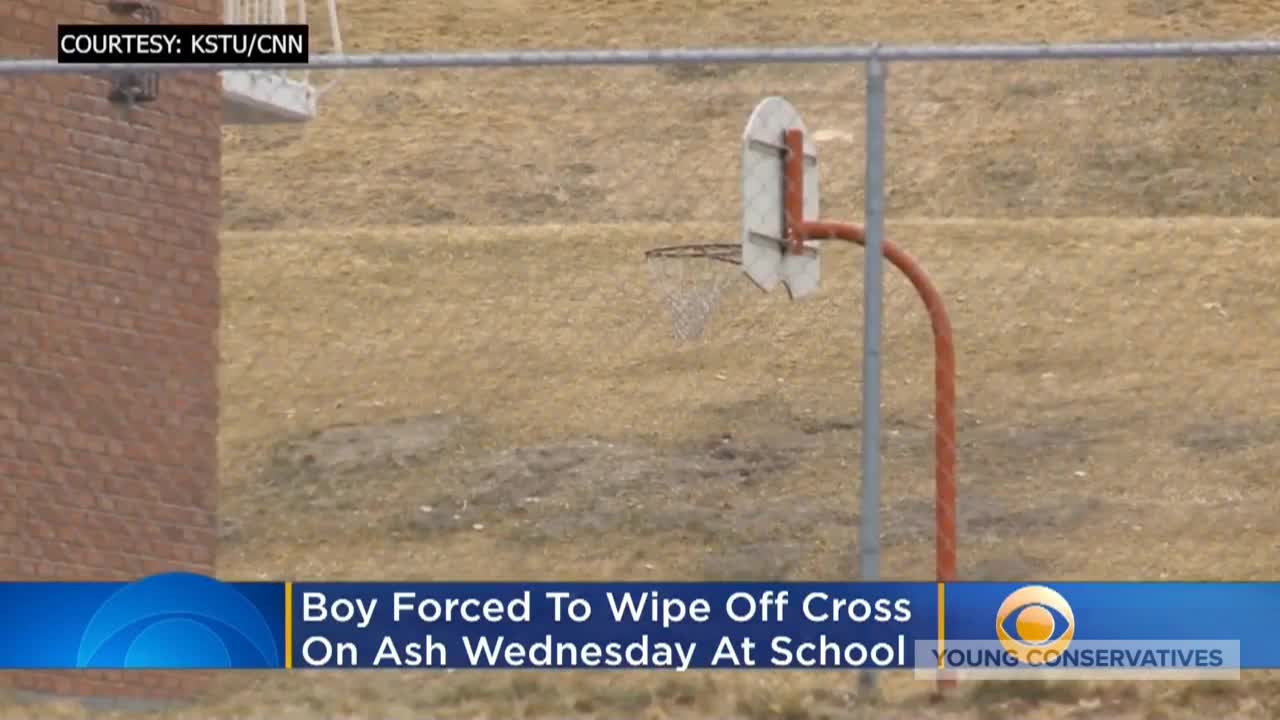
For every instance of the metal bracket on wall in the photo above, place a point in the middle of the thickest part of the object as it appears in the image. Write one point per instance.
(132, 87)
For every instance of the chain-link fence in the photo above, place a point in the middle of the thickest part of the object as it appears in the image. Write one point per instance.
(1111, 341)
(1115, 345)
(576, 404)
(446, 353)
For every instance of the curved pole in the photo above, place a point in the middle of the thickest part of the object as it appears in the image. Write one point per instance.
(944, 373)
(944, 377)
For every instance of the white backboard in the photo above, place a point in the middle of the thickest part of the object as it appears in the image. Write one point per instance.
(763, 227)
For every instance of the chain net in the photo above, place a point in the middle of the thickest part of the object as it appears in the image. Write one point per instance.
(691, 280)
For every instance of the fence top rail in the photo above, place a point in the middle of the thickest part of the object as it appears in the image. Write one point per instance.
(553, 58)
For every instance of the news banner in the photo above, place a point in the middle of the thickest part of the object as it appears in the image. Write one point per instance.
(1137, 631)
(242, 44)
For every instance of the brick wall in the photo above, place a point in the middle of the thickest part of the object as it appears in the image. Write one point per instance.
(109, 309)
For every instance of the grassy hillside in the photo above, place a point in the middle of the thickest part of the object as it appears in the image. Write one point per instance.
(1152, 138)
(409, 403)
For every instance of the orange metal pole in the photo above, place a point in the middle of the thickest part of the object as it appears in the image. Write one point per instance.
(793, 190)
(944, 383)
(799, 230)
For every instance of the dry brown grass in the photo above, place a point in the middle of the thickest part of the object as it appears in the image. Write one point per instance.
(446, 268)
(1117, 375)
(1152, 138)
(1101, 437)
(1117, 423)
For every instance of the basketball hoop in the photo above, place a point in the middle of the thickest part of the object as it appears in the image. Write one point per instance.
(782, 234)
(691, 280)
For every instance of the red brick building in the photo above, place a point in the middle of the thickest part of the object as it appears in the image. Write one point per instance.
(109, 309)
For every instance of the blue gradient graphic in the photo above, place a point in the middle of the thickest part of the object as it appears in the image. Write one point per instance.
(183, 621)
(172, 621)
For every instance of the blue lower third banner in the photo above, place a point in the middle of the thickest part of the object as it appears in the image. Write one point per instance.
(1139, 631)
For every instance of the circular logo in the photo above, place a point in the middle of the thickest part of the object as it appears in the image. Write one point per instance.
(177, 621)
(1035, 624)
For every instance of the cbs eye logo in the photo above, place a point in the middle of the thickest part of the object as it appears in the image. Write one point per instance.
(1035, 624)
(177, 621)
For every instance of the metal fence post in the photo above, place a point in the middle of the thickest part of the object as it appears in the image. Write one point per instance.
(873, 309)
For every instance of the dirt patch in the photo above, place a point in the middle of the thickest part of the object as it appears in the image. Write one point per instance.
(350, 448)
(1225, 436)
(1010, 566)
(715, 496)
(241, 210)
(694, 73)
(988, 519)
(757, 562)
(582, 488)
(1159, 9)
